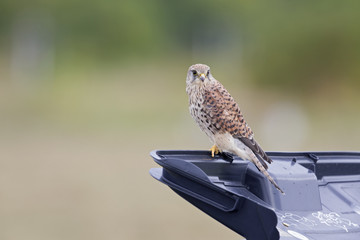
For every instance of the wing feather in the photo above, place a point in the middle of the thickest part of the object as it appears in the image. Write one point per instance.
(226, 116)
(224, 112)
(254, 146)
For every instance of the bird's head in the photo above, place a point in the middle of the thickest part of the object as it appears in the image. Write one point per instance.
(198, 74)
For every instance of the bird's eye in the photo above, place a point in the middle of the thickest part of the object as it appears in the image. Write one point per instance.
(194, 72)
(208, 72)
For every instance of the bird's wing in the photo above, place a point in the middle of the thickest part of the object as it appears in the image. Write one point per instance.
(226, 116)
(225, 112)
(254, 146)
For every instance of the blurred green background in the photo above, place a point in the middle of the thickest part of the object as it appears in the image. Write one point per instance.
(89, 88)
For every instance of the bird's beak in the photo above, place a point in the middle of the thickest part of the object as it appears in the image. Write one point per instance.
(202, 77)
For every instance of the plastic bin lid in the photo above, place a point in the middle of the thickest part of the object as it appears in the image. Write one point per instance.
(322, 199)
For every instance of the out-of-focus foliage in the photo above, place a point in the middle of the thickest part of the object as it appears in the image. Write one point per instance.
(297, 43)
(89, 87)
(282, 43)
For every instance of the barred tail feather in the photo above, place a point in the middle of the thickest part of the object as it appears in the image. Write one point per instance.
(252, 157)
(267, 175)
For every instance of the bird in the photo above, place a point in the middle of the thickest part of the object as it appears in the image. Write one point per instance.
(218, 115)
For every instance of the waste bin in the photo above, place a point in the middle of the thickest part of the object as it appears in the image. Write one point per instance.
(321, 201)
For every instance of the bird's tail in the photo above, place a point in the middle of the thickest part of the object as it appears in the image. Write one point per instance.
(260, 166)
(267, 175)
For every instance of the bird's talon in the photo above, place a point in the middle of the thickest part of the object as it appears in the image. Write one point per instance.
(214, 150)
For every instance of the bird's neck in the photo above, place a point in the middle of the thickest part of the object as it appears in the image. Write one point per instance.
(195, 92)
(198, 87)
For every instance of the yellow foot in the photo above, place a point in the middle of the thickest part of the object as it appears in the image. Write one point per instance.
(214, 150)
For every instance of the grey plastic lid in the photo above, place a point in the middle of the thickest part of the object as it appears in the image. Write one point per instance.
(322, 199)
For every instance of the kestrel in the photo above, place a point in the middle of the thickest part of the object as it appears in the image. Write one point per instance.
(219, 116)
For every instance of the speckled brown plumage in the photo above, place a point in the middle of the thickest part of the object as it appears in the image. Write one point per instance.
(224, 111)
(220, 117)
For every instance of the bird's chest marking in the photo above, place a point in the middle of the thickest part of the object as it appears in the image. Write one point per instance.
(198, 112)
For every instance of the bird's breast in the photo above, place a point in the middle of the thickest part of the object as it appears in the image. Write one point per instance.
(198, 111)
